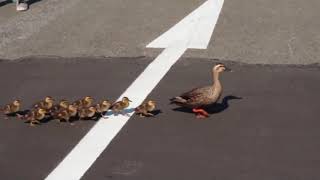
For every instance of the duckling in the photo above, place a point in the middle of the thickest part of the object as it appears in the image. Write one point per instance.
(85, 102)
(63, 104)
(103, 107)
(65, 113)
(72, 110)
(144, 109)
(35, 116)
(62, 114)
(198, 98)
(86, 112)
(12, 108)
(46, 104)
(120, 105)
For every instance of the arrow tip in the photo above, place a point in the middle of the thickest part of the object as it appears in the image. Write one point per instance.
(195, 29)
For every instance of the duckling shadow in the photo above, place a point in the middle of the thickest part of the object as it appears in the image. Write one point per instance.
(43, 121)
(19, 113)
(214, 108)
(124, 112)
(46, 120)
(156, 112)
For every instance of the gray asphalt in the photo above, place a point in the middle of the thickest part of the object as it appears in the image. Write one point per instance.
(267, 127)
(31, 153)
(268, 32)
(271, 133)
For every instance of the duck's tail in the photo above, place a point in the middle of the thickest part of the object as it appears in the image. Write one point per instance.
(177, 100)
(172, 101)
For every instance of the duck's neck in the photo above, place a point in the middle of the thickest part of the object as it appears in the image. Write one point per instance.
(216, 81)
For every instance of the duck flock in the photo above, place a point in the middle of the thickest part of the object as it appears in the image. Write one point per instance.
(82, 109)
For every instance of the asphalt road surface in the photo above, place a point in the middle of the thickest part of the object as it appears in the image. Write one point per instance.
(265, 126)
(272, 132)
(276, 31)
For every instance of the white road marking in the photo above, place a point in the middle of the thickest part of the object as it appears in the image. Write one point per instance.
(205, 17)
(85, 153)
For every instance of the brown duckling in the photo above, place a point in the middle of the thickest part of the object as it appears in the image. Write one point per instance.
(12, 108)
(103, 107)
(35, 116)
(72, 110)
(86, 112)
(63, 104)
(46, 104)
(120, 105)
(198, 98)
(146, 108)
(84, 102)
(64, 114)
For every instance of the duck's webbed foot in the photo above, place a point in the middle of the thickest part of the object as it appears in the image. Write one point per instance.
(200, 113)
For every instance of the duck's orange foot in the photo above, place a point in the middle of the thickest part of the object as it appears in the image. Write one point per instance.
(200, 113)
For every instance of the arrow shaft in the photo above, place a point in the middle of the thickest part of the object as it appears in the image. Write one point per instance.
(155, 71)
(84, 154)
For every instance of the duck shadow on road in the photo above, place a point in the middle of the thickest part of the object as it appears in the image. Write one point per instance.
(214, 108)
(132, 110)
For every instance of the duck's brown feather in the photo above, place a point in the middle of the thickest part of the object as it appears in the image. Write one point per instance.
(197, 97)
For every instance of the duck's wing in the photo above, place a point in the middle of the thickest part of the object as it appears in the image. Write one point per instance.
(194, 96)
(115, 105)
(78, 103)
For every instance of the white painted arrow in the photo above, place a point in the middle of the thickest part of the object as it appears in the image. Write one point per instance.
(192, 32)
(197, 27)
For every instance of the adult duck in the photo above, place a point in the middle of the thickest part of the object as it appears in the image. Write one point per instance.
(200, 97)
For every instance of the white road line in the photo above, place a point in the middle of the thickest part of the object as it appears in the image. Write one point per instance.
(200, 22)
(85, 153)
